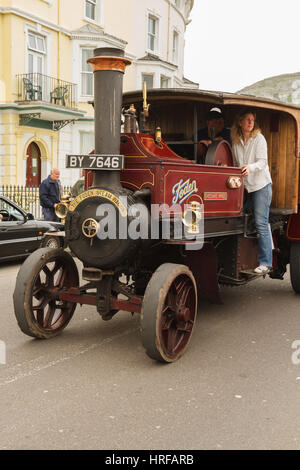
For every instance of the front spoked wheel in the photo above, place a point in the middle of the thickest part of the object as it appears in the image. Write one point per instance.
(39, 311)
(168, 312)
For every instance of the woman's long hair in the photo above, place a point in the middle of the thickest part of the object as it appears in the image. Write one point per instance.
(236, 130)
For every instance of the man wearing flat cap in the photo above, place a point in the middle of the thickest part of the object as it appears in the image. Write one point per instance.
(214, 130)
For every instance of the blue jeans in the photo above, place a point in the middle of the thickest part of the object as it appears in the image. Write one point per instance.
(259, 201)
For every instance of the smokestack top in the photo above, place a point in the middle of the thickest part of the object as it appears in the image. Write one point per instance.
(108, 51)
(109, 58)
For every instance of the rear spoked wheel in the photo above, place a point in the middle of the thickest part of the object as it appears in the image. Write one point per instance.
(168, 312)
(39, 311)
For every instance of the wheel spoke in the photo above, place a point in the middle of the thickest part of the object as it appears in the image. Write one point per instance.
(179, 285)
(177, 315)
(186, 327)
(169, 309)
(37, 293)
(167, 321)
(172, 333)
(40, 316)
(60, 282)
(50, 314)
(170, 303)
(172, 296)
(57, 266)
(48, 274)
(172, 340)
(184, 288)
(46, 271)
(38, 288)
(42, 305)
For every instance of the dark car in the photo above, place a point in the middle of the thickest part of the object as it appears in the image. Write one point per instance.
(21, 234)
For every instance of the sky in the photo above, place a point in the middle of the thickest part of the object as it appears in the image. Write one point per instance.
(231, 44)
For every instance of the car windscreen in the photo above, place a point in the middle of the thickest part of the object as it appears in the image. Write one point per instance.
(10, 213)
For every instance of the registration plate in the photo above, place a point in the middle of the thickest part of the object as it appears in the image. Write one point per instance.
(95, 162)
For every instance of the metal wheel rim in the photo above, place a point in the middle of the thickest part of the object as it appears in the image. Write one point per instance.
(52, 243)
(177, 317)
(48, 312)
(168, 312)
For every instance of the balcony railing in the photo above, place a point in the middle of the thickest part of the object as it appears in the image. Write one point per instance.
(39, 87)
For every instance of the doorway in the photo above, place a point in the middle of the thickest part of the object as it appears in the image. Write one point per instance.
(33, 166)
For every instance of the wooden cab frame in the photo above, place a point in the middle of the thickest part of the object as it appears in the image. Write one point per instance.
(181, 113)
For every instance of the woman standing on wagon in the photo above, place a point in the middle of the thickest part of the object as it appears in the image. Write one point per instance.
(251, 154)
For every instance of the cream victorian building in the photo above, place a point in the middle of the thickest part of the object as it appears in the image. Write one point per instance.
(46, 84)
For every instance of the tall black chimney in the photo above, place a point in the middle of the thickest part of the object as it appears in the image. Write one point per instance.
(109, 66)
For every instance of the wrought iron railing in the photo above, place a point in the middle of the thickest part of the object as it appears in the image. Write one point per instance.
(39, 87)
(27, 197)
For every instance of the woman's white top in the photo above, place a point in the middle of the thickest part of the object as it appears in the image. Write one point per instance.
(255, 154)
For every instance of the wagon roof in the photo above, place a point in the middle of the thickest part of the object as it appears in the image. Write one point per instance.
(215, 97)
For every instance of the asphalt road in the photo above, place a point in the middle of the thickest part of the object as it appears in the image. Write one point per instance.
(93, 387)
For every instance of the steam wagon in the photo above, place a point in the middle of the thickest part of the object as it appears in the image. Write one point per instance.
(154, 229)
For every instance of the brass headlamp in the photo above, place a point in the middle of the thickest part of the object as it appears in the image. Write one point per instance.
(191, 217)
(62, 207)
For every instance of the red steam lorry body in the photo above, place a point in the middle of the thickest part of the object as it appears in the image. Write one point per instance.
(149, 175)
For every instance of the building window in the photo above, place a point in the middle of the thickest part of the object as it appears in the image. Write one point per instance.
(152, 33)
(90, 9)
(175, 47)
(164, 81)
(148, 78)
(36, 43)
(36, 51)
(87, 142)
(87, 85)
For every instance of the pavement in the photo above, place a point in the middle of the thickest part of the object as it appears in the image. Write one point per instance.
(93, 387)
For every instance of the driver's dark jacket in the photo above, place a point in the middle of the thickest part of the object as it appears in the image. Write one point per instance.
(225, 134)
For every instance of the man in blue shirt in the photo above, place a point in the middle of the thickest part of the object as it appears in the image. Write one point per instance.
(50, 192)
